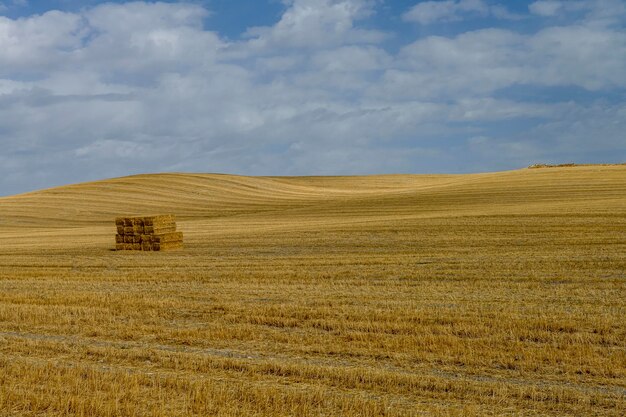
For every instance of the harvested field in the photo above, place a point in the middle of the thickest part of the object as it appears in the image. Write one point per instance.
(404, 295)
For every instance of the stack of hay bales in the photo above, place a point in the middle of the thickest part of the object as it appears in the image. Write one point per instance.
(153, 233)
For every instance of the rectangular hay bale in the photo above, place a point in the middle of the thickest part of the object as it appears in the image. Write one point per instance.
(119, 238)
(159, 230)
(167, 219)
(120, 246)
(147, 238)
(168, 237)
(167, 246)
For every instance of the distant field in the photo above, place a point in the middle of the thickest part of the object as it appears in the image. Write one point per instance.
(404, 295)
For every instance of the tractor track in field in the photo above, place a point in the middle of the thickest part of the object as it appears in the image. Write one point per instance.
(612, 390)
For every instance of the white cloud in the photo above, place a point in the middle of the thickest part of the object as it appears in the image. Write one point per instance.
(351, 59)
(546, 7)
(484, 61)
(112, 149)
(431, 11)
(584, 56)
(138, 16)
(38, 43)
(594, 12)
(501, 12)
(314, 24)
(4, 6)
(428, 12)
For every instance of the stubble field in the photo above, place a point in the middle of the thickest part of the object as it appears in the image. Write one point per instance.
(424, 295)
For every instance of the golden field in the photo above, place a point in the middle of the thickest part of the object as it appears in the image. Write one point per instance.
(401, 295)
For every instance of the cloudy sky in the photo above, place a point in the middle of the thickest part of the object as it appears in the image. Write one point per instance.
(92, 89)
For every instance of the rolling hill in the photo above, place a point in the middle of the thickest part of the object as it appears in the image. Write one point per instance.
(202, 196)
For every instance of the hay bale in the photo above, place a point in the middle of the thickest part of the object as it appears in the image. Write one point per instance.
(162, 220)
(167, 246)
(148, 233)
(168, 237)
(132, 239)
(159, 230)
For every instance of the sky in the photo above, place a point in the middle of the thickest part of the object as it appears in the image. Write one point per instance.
(92, 90)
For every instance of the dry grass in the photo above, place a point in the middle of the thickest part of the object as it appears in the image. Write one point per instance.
(491, 294)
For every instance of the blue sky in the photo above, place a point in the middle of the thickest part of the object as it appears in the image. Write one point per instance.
(92, 89)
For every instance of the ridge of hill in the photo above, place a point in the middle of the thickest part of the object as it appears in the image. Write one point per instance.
(205, 196)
